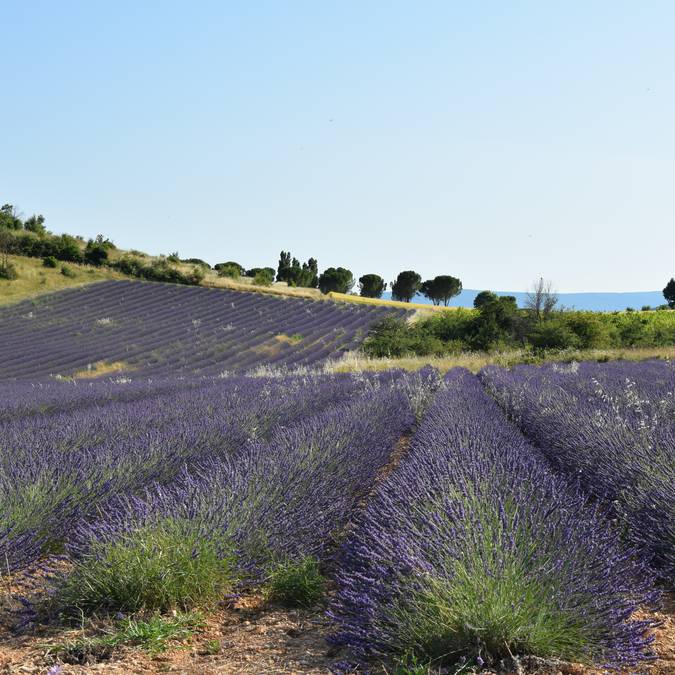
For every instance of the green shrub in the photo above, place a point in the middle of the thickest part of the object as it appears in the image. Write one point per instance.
(590, 331)
(552, 334)
(157, 270)
(158, 567)
(633, 329)
(393, 338)
(230, 271)
(455, 325)
(231, 263)
(96, 253)
(263, 278)
(296, 584)
(196, 276)
(67, 248)
(68, 271)
(50, 261)
(8, 271)
(254, 270)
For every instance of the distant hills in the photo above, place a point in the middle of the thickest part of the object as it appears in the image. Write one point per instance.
(599, 302)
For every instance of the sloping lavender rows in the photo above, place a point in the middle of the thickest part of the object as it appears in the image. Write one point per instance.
(57, 467)
(164, 328)
(473, 548)
(282, 499)
(612, 427)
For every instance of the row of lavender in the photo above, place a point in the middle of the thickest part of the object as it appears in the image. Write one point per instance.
(611, 427)
(480, 544)
(167, 329)
(73, 455)
(476, 547)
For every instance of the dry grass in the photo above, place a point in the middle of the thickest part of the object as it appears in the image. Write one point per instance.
(212, 280)
(474, 361)
(35, 279)
(289, 339)
(101, 368)
(389, 303)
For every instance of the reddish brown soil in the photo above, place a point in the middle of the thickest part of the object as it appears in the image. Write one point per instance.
(254, 638)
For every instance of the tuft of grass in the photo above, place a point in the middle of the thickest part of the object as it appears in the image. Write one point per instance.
(296, 584)
(410, 664)
(8, 271)
(154, 636)
(157, 568)
(68, 272)
(290, 339)
(212, 647)
(100, 368)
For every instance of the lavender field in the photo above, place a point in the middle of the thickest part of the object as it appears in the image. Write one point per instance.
(156, 328)
(449, 521)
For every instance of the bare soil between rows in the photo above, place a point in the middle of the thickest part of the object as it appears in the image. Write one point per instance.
(252, 637)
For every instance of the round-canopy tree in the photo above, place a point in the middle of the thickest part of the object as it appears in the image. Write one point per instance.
(441, 289)
(372, 286)
(337, 279)
(406, 286)
(484, 298)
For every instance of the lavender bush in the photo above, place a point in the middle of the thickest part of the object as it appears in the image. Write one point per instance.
(612, 427)
(61, 461)
(474, 549)
(272, 502)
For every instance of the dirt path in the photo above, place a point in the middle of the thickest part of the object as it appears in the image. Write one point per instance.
(251, 637)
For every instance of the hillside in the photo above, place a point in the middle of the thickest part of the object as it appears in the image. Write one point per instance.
(153, 328)
(34, 279)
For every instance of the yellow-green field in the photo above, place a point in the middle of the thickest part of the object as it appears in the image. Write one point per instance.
(35, 279)
(212, 280)
(344, 297)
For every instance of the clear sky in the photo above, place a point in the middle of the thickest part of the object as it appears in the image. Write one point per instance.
(495, 141)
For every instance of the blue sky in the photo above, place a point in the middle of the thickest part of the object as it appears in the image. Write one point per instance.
(496, 141)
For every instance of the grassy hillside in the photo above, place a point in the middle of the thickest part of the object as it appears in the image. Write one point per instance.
(34, 279)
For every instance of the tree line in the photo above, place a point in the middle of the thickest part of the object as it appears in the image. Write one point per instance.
(497, 323)
(290, 270)
(30, 237)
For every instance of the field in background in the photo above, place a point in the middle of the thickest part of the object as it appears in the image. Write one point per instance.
(168, 329)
